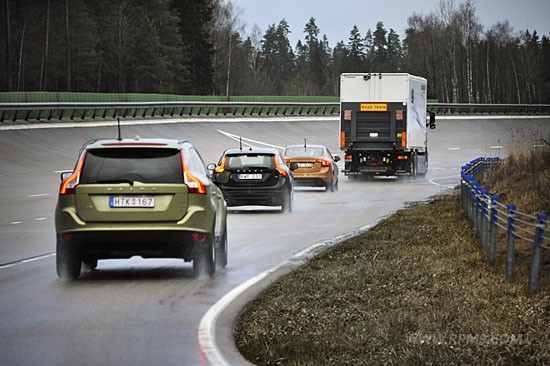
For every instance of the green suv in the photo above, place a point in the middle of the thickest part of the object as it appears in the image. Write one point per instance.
(139, 197)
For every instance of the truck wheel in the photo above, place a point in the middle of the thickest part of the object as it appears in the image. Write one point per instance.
(67, 260)
(204, 258)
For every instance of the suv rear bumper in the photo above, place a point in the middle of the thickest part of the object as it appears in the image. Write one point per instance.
(96, 245)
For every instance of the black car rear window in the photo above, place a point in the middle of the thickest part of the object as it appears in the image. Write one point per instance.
(146, 165)
(247, 161)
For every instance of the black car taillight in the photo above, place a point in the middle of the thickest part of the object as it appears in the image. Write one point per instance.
(68, 186)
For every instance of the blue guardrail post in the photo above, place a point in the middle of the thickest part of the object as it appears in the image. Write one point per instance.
(510, 255)
(493, 228)
(535, 261)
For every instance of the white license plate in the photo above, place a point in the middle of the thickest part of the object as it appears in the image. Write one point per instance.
(305, 165)
(249, 176)
(130, 201)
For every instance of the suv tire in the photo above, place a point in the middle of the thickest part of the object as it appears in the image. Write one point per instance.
(204, 258)
(221, 249)
(67, 258)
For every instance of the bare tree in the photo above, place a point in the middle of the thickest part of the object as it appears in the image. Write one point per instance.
(68, 47)
(8, 43)
(46, 49)
(470, 30)
(227, 29)
(20, 63)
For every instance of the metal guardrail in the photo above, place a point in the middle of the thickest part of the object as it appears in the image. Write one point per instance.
(490, 109)
(48, 111)
(93, 110)
(488, 215)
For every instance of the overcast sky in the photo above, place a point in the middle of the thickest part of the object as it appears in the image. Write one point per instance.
(336, 18)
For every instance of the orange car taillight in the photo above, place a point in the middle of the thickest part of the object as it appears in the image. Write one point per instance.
(194, 185)
(348, 157)
(324, 163)
(282, 171)
(68, 186)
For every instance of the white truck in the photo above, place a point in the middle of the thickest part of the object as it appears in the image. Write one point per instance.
(383, 127)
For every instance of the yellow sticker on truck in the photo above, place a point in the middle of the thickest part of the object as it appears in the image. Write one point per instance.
(374, 107)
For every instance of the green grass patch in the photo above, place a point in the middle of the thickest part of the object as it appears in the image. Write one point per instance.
(416, 289)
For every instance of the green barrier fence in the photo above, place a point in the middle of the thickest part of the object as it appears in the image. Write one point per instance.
(66, 97)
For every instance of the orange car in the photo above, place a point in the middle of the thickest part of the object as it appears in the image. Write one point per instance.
(316, 166)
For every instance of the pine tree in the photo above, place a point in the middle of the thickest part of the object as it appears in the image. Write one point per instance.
(355, 52)
(195, 19)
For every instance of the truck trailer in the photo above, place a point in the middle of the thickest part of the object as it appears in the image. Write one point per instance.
(383, 125)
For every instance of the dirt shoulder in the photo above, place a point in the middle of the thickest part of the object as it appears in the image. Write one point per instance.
(416, 289)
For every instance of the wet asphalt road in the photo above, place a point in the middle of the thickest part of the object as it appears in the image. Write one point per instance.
(147, 312)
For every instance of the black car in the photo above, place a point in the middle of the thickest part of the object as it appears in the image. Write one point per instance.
(254, 176)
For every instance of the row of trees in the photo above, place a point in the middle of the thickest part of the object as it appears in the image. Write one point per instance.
(200, 47)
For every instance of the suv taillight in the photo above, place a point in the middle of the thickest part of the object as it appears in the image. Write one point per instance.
(194, 185)
(68, 186)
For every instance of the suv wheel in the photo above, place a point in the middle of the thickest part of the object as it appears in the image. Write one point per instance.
(221, 249)
(67, 260)
(204, 258)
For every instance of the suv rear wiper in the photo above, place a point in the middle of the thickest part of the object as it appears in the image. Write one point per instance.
(113, 181)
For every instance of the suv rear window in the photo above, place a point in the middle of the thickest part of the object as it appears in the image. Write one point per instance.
(146, 165)
(250, 161)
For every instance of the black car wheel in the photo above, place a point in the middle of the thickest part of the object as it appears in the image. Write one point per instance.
(204, 258)
(67, 260)
(287, 202)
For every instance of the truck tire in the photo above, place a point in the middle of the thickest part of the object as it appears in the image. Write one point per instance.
(413, 164)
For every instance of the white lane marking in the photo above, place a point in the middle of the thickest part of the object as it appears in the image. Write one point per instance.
(454, 148)
(433, 181)
(244, 139)
(84, 124)
(16, 222)
(495, 147)
(33, 259)
(38, 195)
(40, 219)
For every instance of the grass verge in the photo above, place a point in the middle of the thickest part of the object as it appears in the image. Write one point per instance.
(416, 289)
